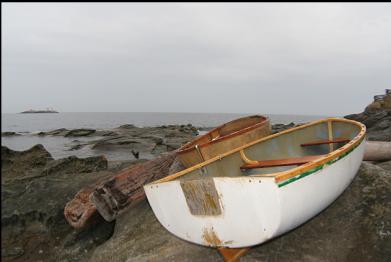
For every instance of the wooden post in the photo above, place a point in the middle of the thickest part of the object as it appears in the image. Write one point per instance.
(330, 128)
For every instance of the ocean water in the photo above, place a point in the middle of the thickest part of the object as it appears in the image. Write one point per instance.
(28, 124)
(46, 122)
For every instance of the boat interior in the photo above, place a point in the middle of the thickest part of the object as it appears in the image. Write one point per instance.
(279, 152)
(227, 129)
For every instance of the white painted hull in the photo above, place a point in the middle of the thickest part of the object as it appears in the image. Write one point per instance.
(254, 209)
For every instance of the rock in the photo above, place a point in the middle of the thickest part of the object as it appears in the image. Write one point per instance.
(23, 163)
(156, 139)
(377, 118)
(354, 228)
(32, 217)
(76, 147)
(58, 132)
(384, 124)
(125, 144)
(105, 133)
(75, 132)
(10, 134)
(96, 235)
(74, 164)
(12, 252)
(32, 208)
(205, 129)
(158, 149)
(127, 126)
(138, 236)
(378, 123)
(385, 165)
(148, 141)
(276, 128)
(80, 132)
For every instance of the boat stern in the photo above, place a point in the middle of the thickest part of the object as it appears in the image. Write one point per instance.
(218, 212)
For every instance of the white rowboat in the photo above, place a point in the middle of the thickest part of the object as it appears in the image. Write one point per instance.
(263, 189)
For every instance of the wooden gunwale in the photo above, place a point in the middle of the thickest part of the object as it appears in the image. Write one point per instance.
(191, 145)
(285, 175)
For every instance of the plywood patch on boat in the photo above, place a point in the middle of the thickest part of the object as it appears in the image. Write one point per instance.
(201, 197)
(210, 237)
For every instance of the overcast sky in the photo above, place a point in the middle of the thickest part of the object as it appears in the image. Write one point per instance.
(322, 59)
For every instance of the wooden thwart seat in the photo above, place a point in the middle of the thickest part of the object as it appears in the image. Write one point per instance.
(281, 162)
(324, 142)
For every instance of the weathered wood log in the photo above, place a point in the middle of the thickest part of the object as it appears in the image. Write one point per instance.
(119, 193)
(80, 211)
(377, 151)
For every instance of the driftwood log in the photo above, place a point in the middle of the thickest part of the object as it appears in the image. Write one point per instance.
(125, 188)
(80, 211)
(377, 151)
(120, 192)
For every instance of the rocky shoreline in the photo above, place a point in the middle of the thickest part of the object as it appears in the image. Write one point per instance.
(36, 187)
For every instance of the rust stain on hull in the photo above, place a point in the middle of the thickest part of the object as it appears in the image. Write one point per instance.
(210, 237)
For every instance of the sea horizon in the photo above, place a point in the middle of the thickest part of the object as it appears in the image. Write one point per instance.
(30, 124)
(35, 122)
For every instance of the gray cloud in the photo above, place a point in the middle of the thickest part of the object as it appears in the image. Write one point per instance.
(323, 58)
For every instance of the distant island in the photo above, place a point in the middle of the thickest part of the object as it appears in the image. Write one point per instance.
(48, 110)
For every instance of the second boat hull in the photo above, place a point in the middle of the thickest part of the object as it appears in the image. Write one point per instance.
(224, 138)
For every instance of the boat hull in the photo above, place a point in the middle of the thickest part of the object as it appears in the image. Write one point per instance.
(252, 209)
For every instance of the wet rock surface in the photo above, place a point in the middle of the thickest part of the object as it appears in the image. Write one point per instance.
(145, 142)
(80, 132)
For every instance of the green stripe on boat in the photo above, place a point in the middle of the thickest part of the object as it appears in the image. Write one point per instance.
(315, 169)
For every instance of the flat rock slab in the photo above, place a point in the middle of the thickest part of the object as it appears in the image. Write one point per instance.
(356, 227)
(138, 236)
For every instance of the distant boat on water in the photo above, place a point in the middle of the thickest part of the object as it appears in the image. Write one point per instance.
(47, 110)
